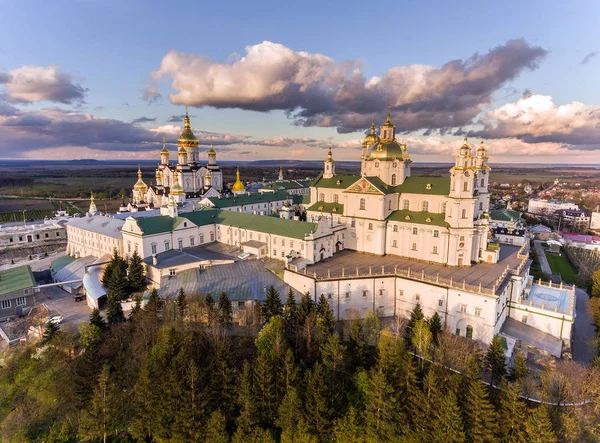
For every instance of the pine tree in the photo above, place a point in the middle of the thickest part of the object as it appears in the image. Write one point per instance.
(415, 316)
(96, 319)
(272, 305)
(114, 311)
(99, 418)
(136, 276)
(381, 417)
(519, 370)
(291, 421)
(435, 326)
(181, 303)
(211, 315)
(253, 434)
(221, 387)
(290, 317)
(317, 402)
(154, 303)
(479, 414)
(511, 426)
(247, 417)
(538, 426)
(305, 308)
(356, 343)
(333, 355)
(215, 429)
(348, 429)
(495, 359)
(595, 285)
(325, 313)
(225, 311)
(446, 426)
(137, 307)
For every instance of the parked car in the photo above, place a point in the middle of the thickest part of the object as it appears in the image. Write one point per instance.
(56, 319)
(79, 297)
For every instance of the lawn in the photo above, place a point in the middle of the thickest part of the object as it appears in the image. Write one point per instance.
(560, 264)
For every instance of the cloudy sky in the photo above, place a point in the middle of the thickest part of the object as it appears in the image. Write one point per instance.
(107, 79)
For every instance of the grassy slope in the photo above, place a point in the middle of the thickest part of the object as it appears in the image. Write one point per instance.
(563, 266)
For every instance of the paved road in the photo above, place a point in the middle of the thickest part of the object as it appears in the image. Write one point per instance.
(539, 251)
(61, 303)
(583, 350)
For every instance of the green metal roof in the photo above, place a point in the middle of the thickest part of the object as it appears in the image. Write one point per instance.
(422, 218)
(269, 225)
(16, 279)
(505, 215)
(245, 199)
(331, 208)
(156, 225)
(292, 184)
(379, 184)
(419, 185)
(202, 217)
(305, 199)
(335, 182)
(60, 263)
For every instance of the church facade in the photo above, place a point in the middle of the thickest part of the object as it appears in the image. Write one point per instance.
(187, 179)
(386, 211)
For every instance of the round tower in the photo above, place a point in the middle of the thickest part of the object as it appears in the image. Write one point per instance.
(164, 153)
(329, 165)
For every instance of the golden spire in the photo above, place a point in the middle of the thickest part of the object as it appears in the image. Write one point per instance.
(164, 147)
(93, 208)
(238, 186)
(388, 120)
(139, 173)
(373, 126)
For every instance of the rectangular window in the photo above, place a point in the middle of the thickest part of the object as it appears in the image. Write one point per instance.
(440, 302)
(171, 272)
(21, 301)
(435, 251)
(415, 231)
(347, 295)
(329, 296)
(212, 236)
(241, 304)
(282, 241)
(282, 253)
(180, 243)
(26, 291)
(46, 235)
(370, 226)
(400, 292)
(462, 238)
(462, 308)
(5, 304)
(414, 247)
(478, 312)
(201, 238)
(395, 228)
(364, 293)
(524, 319)
(192, 241)
(436, 234)
(394, 243)
(417, 297)
(381, 291)
(153, 247)
(274, 240)
(167, 246)
(274, 252)
(352, 223)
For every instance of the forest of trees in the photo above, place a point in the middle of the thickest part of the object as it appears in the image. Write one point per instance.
(179, 371)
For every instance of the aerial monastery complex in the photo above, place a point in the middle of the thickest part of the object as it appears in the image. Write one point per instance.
(383, 240)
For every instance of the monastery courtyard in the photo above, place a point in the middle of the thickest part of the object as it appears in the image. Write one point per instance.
(484, 273)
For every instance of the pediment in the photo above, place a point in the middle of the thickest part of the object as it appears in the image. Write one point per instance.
(363, 186)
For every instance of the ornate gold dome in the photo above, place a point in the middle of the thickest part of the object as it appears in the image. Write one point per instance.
(187, 139)
(238, 186)
(211, 152)
(177, 189)
(140, 185)
(164, 148)
(387, 150)
(372, 137)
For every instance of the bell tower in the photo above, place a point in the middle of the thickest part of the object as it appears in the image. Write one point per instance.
(329, 165)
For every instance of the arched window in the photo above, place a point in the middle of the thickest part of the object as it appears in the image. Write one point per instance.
(465, 186)
(390, 205)
(443, 208)
(393, 179)
(363, 204)
(482, 182)
(405, 205)
(464, 213)
(322, 197)
(336, 198)
(425, 206)
(469, 331)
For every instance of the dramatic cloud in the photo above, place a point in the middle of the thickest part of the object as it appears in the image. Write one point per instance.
(176, 118)
(151, 95)
(588, 57)
(536, 119)
(315, 90)
(23, 131)
(30, 84)
(143, 120)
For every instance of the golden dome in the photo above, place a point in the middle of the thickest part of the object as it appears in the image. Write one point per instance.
(187, 138)
(164, 148)
(211, 152)
(140, 185)
(177, 189)
(371, 137)
(387, 150)
(238, 186)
